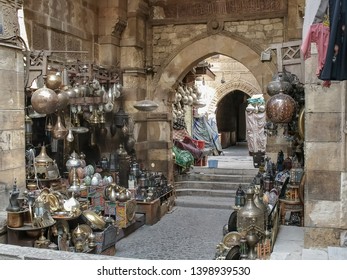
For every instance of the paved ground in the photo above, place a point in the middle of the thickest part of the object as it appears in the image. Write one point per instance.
(193, 233)
(184, 234)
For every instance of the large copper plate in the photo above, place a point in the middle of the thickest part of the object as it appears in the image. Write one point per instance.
(95, 221)
(130, 210)
(301, 123)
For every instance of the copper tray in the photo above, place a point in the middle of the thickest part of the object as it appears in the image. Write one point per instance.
(94, 220)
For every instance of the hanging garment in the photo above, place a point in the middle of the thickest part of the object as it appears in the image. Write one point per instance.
(319, 34)
(335, 66)
(256, 137)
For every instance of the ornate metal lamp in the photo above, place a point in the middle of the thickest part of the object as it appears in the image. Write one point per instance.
(72, 164)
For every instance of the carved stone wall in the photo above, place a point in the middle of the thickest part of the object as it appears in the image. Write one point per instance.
(12, 144)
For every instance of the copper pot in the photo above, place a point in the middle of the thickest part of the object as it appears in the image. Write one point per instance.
(15, 219)
(44, 100)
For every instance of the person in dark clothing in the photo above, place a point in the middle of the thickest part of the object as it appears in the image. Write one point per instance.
(335, 67)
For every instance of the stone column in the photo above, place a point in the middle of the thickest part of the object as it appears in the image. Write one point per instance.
(152, 129)
(325, 167)
(112, 22)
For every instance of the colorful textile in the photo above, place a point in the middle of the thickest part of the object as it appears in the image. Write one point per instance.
(183, 158)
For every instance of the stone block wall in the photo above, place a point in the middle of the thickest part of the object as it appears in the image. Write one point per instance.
(169, 39)
(12, 134)
(325, 160)
(12, 144)
(62, 26)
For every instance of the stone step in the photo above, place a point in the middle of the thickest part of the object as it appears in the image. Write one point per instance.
(224, 171)
(236, 178)
(205, 202)
(207, 185)
(206, 192)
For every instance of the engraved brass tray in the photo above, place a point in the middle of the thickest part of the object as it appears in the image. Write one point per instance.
(94, 220)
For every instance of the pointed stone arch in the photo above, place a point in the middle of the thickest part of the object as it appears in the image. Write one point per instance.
(179, 63)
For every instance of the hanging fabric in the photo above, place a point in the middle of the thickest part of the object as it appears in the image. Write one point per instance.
(335, 66)
(318, 33)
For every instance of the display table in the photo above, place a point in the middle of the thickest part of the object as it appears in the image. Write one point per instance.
(151, 210)
(25, 235)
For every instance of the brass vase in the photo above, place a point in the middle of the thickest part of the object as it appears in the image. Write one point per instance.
(250, 216)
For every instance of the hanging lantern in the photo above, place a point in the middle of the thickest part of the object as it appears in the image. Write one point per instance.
(59, 130)
(120, 118)
(54, 81)
(44, 100)
(278, 82)
(63, 100)
(240, 198)
(280, 108)
(28, 125)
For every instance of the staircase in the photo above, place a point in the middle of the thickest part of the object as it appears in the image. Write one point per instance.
(204, 187)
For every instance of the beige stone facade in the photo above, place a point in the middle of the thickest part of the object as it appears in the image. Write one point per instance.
(155, 44)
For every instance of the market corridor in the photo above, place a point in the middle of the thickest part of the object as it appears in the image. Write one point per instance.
(186, 233)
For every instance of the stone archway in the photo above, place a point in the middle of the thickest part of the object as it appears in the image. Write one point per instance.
(241, 85)
(155, 127)
(203, 46)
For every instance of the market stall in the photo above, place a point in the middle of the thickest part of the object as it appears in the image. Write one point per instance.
(273, 198)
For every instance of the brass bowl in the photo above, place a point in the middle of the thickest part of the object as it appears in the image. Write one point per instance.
(146, 105)
(94, 220)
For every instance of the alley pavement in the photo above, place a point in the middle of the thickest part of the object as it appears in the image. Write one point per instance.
(192, 233)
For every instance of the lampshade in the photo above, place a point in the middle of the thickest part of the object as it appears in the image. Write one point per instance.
(146, 105)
